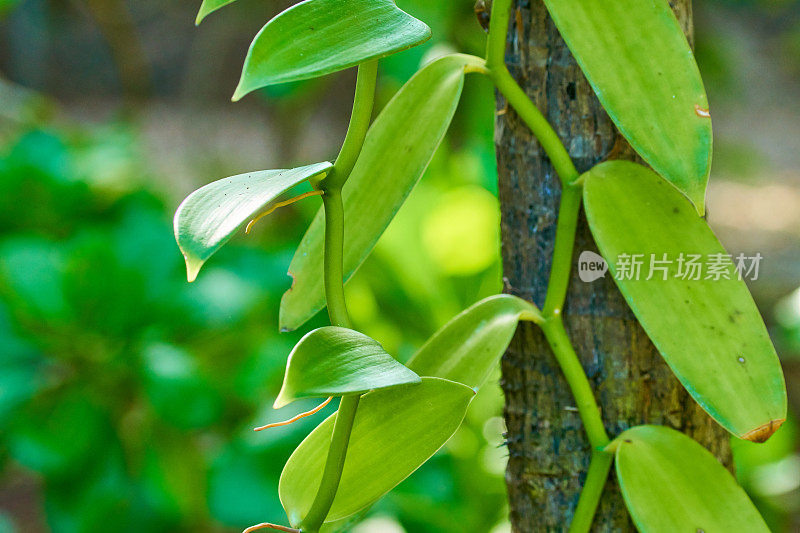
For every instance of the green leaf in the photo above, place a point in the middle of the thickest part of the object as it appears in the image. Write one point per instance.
(639, 63)
(333, 361)
(398, 148)
(670, 483)
(210, 216)
(319, 37)
(395, 431)
(208, 7)
(708, 330)
(468, 347)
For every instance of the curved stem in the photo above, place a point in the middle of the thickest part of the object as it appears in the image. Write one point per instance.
(337, 310)
(568, 210)
(334, 284)
(358, 127)
(333, 464)
(334, 258)
(596, 478)
(565, 354)
(527, 111)
(568, 360)
(534, 119)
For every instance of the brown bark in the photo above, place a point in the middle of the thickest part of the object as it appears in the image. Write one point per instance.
(548, 450)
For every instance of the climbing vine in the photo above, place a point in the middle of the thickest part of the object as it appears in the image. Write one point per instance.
(394, 417)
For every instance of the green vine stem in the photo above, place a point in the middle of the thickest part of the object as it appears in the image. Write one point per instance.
(569, 208)
(516, 97)
(596, 477)
(334, 262)
(553, 328)
(358, 127)
(556, 334)
(333, 465)
(334, 284)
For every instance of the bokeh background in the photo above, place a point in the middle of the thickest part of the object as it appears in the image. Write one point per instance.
(127, 396)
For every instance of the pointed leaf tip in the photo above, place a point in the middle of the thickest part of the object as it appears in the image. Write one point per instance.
(239, 93)
(636, 217)
(211, 215)
(470, 345)
(193, 266)
(208, 7)
(659, 105)
(333, 361)
(698, 200)
(319, 37)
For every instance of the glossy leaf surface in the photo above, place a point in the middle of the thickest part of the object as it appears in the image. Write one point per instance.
(467, 348)
(670, 483)
(332, 361)
(210, 216)
(319, 37)
(209, 6)
(708, 330)
(395, 431)
(398, 148)
(639, 63)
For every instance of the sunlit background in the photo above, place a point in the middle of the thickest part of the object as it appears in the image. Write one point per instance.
(128, 396)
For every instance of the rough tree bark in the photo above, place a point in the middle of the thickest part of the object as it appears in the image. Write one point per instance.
(548, 450)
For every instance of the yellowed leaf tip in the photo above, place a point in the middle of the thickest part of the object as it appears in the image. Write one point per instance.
(762, 433)
(193, 266)
(282, 400)
(239, 93)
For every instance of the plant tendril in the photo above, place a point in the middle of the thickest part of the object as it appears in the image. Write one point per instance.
(267, 525)
(281, 204)
(294, 419)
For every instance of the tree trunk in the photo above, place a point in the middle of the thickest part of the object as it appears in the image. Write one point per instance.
(548, 450)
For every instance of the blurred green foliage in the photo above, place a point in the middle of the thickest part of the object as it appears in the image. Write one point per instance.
(127, 396)
(130, 394)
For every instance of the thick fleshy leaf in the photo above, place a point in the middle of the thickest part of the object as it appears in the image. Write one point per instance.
(318, 37)
(209, 6)
(468, 347)
(639, 63)
(670, 483)
(398, 148)
(333, 361)
(210, 216)
(395, 431)
(708, 329)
